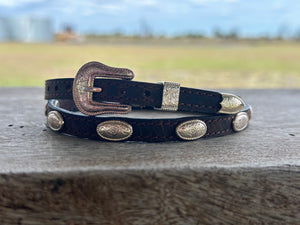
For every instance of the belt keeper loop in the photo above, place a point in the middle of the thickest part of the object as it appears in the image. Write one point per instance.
(170, 97)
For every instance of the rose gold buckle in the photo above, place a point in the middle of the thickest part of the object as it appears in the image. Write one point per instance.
(83, 88)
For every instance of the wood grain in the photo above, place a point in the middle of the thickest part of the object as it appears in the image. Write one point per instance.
(251, 177)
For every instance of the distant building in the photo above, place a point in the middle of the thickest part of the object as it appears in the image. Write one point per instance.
(4, 30)
(26, 29)
(69, 35)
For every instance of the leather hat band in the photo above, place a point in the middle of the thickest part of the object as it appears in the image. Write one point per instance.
(99, 89)
(139, 94)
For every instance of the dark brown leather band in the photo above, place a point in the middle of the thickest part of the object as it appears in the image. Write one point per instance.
(101, 89)
(138, 94)
(146, 128)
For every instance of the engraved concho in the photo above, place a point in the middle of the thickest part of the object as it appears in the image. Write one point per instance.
(191, 130)
(114, 130)
(55, 121)
(231, 104)
(240, 122)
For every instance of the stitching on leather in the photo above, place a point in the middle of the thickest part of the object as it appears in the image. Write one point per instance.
(199, 93)
(154, 137)
(218, 120)
(59, 94)
(198, 106)
(165, 123)
(58, 82)
(218, 132)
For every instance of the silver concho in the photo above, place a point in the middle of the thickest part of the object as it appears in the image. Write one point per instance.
(114, 130)
(191, 130)
(231, 104)
(240, 122)
(55, 121)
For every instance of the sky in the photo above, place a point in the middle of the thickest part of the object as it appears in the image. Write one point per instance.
(163, 17)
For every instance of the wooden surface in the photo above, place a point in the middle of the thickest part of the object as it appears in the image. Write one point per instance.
(251, 177)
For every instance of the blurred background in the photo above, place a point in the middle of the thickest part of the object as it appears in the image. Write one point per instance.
(199, 43)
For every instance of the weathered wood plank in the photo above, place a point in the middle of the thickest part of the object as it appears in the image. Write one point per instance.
(171, 196)
(248, 177)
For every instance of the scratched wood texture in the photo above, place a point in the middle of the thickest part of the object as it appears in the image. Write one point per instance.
(251, 177)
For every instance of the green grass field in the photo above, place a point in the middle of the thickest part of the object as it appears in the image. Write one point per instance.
(265, 65)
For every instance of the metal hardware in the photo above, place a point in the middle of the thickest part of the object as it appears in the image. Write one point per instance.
(55, 121)
(170, 98)
(45, 110)
(114, 130)
(231, 104)
(250, 112)
(93, 89)
(240, 122)
(191, 130)
(83, 88)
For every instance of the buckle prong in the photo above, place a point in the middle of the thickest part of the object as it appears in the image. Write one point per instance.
(92, 89)
(83, 88)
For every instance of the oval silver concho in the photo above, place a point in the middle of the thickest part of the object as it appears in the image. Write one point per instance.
(191, 130)
(240, 122)
(55, 121)
(114, 130)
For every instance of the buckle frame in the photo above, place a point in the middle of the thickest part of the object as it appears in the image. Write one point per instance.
(83, 88)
